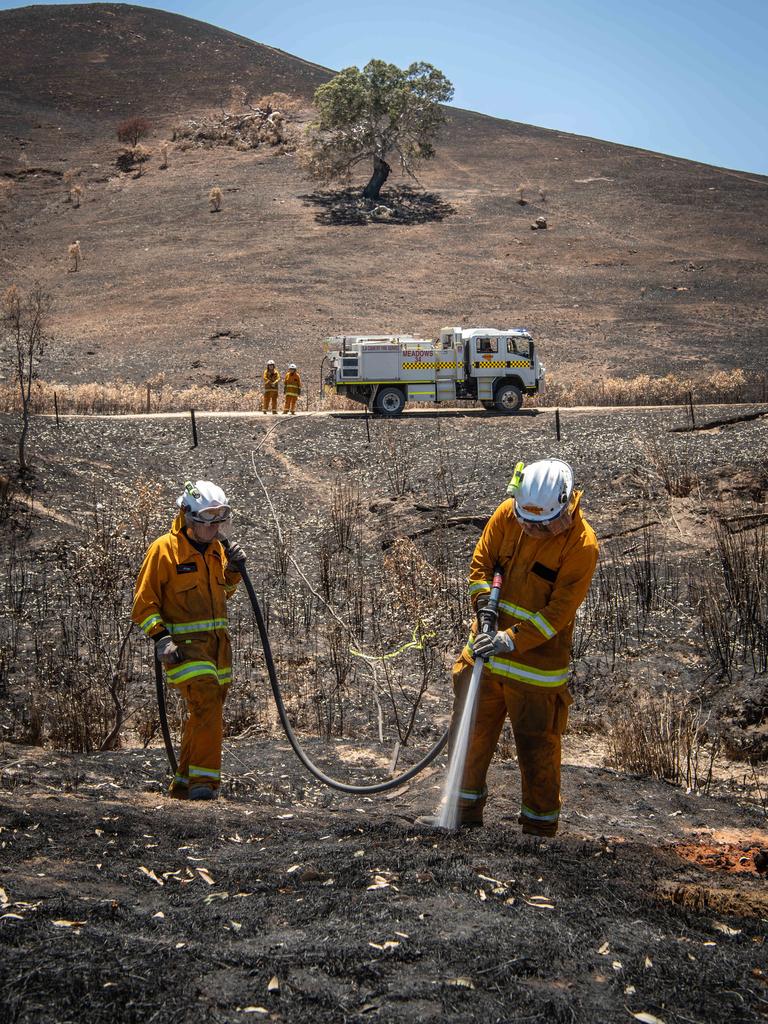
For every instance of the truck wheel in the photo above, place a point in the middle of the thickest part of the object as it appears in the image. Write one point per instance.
(488, 405)
(509, 398)
(390, 401)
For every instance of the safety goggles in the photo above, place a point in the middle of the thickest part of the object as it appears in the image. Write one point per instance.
(209, 516)
(549, 527)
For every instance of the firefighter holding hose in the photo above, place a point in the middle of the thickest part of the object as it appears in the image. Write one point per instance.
(547, 553)
(180, 603)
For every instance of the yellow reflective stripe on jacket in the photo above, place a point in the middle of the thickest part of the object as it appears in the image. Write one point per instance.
(150, 622)
(542, 625)
(190, 670)
(535, 618)
(479, 588)
(516, 670)
(526, 673)
(292, 389)
(201, 626)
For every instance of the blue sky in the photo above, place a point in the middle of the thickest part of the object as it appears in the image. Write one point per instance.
(680, 77)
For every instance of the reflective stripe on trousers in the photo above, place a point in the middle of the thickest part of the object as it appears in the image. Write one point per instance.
(189, 670)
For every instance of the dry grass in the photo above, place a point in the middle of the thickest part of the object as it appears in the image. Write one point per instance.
(125, 397)
(122, 397)
(661, 739)
(720, 386)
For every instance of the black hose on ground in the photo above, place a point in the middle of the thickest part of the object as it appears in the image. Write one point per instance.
(160, 687)
(345, 787)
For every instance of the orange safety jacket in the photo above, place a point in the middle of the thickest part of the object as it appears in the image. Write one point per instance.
(292, 383)
(271, 380)
(545, 581)
(185, 593)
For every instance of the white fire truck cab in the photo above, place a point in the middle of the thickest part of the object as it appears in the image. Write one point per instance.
(495, 367)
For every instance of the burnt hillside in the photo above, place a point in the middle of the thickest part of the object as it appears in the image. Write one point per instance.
(649, 264)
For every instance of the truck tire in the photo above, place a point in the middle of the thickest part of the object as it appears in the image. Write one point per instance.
(488, 405)
(508, 398)
(390, 402)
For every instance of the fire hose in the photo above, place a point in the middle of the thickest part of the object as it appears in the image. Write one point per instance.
(345, 787)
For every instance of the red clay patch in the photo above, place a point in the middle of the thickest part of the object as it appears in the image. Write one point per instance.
(731, 857)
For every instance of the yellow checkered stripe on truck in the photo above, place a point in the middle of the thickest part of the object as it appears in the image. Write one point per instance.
(497, 364)
(431, 366)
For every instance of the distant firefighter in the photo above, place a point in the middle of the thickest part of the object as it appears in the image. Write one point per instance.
(291, 389)
(271, 378)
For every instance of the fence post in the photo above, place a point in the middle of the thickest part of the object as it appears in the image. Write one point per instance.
(367, 428)
(194, 428)
(557, 423)
(690, 407)
(148, 397)
(56, 408)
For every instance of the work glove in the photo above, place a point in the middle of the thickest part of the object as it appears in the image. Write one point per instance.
(235, 557)
(485, 644)
(167, 651)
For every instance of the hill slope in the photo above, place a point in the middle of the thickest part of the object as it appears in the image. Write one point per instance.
(649, 263)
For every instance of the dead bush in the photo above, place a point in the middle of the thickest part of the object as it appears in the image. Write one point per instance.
(661, 738)
(130, 131)
(75, 255)
(214, 198)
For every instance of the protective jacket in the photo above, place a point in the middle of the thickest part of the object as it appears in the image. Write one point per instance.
(292, 383)
(185, 593)
(545, 581)
(271, 380)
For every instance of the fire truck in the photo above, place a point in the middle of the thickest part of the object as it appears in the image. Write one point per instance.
(494, 367)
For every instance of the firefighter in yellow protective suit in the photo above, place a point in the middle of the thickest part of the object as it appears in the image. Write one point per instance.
(547, 552)
(271, 378)
(181, 597)
(291, 389)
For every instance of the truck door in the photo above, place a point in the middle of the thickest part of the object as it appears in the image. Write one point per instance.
(484, 355)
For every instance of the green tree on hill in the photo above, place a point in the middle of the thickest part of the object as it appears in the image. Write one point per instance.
(373, 114)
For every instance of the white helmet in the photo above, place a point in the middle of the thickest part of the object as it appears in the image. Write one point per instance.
(291, 366)
(270, 362)
(204, 502)
(542, 491)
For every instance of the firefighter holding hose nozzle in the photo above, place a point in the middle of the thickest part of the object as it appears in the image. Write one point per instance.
(180, 603)
(547, 553)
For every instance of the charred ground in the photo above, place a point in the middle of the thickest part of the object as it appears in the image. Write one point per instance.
(650, 902)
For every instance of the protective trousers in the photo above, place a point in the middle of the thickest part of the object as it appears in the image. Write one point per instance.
(290, 404)
(200, 754)
(538, 716)
(270, 400)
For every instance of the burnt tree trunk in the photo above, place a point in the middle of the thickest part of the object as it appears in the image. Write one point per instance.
(380, 174)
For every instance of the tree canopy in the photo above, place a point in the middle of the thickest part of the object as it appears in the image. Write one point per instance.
(375, 114)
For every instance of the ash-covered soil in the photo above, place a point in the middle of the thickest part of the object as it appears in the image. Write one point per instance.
(291, 904)
(120, 904)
